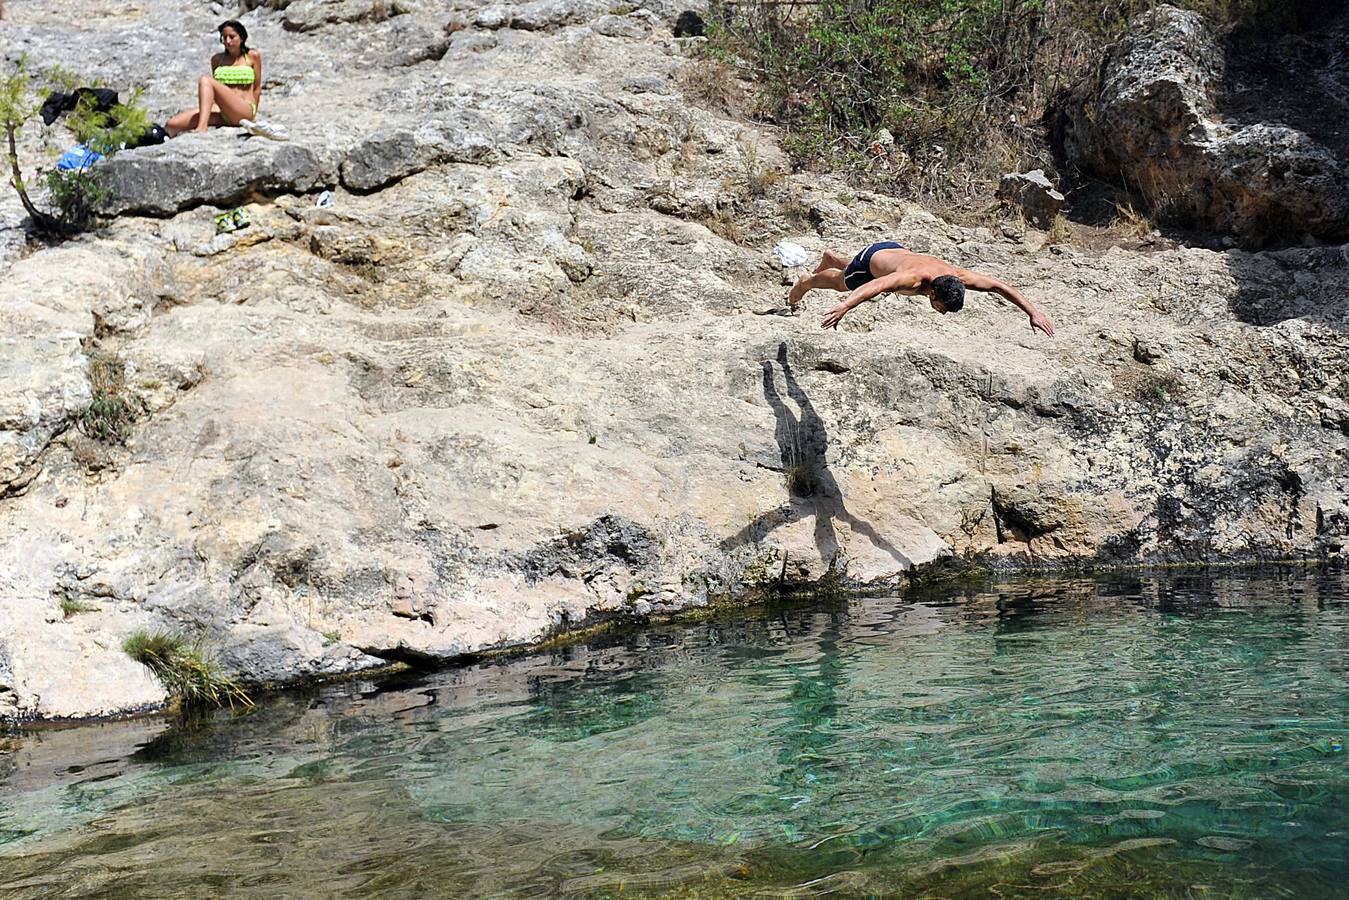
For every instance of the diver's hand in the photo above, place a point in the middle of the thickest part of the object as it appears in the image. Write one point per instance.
(835, 315)
(1041, 321)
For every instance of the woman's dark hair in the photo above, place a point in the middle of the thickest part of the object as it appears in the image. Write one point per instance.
(238, 28)
(950, 290)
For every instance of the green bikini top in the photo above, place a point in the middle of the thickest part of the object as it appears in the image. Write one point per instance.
(234, 74)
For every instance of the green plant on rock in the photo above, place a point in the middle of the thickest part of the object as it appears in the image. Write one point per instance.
(112, 410)
(184, 670)
(800, 469)
(76, 195)
(17, 105)
(370, 271)
(71, 606)
(1058, 231)
(1159, 388)
(711, 82)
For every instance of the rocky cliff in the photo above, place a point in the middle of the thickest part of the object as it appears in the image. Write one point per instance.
(513, 381)
(1252, 148)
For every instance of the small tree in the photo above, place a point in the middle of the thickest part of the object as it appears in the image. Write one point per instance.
(16, 107)
(77, 194)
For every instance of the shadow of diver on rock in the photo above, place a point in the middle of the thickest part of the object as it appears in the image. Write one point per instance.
(803, 444)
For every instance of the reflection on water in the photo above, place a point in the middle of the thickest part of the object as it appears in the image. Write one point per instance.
(1172, 737)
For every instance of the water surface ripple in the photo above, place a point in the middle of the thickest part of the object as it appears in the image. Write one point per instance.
(1136, 736)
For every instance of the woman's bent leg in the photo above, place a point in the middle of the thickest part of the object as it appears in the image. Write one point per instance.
(205, 99)
(234, 107)
(184, 121)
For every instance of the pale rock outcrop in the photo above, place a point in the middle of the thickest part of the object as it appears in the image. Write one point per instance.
(1153, 121)
(1033, 194)
(309, 15)
(193, 169)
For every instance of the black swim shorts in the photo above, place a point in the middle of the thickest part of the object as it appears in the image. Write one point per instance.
(858, 272)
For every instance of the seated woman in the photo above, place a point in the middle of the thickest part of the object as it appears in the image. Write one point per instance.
(230, 94)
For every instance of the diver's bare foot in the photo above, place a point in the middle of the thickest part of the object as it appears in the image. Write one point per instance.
(797, 292)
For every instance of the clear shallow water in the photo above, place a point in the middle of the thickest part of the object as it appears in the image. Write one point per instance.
(1130, 737)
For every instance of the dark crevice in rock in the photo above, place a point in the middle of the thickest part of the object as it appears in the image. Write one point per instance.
(413, 615)
(1021, 523)
(417, 659)
(18, 486)
(589, 550)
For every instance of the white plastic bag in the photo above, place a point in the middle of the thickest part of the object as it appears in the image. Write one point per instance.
(790, 254)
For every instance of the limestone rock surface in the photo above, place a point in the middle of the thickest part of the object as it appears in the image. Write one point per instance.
(511, 381)
(1033, 194)
(196, 169)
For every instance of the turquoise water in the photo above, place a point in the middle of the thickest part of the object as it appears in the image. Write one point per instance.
(1129, 737)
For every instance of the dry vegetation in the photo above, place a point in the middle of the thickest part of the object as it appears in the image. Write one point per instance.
(926, 99)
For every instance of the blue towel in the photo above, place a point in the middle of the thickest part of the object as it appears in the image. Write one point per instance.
(78, 158)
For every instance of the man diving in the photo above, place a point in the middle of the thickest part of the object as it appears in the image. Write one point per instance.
(887, 267)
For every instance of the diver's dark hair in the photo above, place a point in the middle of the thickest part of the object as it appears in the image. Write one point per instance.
(238, 28)
(950, 290)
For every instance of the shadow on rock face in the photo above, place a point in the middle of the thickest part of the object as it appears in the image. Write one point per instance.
(811, 487)
(1296, 75)
(1302, 283)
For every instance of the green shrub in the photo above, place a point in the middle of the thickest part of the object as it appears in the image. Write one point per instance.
(1159, 388)
(183, 670)
(78, 196)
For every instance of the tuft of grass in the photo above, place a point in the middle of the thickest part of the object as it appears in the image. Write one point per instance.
(724, 226)
(1058, 232)
(112, 409)
(370, 271)
(331, 637)
(801, 480)
(797, 209)
(89, 455)
(802, 477)
(71, 607)
(758, 176)
(184, 670)
(711, 82)
(1130, 223)
(1159, 388)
